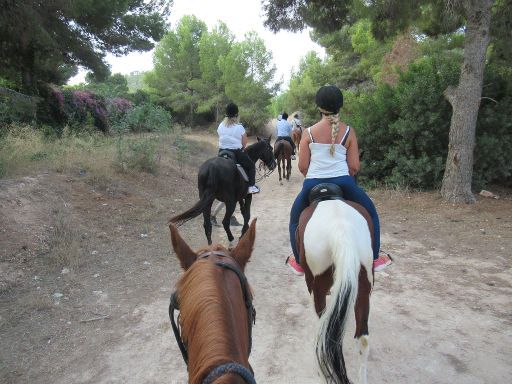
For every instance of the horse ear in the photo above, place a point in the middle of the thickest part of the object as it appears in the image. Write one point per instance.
(243, 250)
(185, 254)
(259, 138)
(269, 138)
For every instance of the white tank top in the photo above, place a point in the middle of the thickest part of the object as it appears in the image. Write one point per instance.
(230, 137)
(322, 164)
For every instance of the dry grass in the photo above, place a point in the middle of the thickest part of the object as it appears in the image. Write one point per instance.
(64, 242)
(25, 151)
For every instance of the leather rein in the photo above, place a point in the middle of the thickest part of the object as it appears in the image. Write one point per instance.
(232, 367)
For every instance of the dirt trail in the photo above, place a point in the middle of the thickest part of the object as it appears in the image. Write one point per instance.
(441, 314)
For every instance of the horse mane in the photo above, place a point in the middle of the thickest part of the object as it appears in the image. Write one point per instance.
(203, 315)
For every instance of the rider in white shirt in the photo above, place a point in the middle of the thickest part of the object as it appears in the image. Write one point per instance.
(232, 137)
(284, 131)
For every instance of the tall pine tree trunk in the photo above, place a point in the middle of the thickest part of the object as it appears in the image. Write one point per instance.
(465, 101)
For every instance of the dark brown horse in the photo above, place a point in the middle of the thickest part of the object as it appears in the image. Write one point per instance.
(218, 178)
(335, 246)
(214, 328)
(283, 154)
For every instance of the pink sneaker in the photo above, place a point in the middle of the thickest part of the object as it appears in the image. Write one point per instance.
(382, 262)
(296, 268)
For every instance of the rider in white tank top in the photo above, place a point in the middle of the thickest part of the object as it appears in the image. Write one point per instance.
(323, 164)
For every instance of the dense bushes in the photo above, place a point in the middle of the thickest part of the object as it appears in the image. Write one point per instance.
(145, 118)
(81, 111)
(403, 130)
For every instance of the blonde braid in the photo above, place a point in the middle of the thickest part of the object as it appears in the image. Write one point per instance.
(335, 128)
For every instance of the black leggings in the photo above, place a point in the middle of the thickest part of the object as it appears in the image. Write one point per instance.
(245, 161)
(288, 139)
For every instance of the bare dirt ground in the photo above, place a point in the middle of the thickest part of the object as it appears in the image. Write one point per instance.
(86, 273)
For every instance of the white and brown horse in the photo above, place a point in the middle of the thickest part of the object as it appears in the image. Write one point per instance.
(335, 246)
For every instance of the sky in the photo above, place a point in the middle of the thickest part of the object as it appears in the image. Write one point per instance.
(240, 16)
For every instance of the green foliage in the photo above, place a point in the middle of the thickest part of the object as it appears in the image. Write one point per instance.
(197, 72)
(47, 40)
(182, 150)
(135, 81)
(137, 155)
(403, 131)
(176, 68)
(146, 118)
(16, 107)
(247, 75)
(114, 85)
(494, 131)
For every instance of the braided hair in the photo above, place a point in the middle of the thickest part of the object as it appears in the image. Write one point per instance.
(329, 100)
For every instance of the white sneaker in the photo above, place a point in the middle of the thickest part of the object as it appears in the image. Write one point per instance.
(253, 189)
(293, 157)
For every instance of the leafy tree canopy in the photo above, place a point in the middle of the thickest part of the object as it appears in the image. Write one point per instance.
(46, 40)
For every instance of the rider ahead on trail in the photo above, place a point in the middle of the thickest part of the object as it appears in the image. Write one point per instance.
(232, 137)
(284, 130)
(329, 154)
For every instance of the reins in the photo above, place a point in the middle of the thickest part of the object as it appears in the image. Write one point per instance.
(265, 174)
(232, 367)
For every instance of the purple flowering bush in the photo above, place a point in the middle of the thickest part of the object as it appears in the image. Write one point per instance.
(81, 109)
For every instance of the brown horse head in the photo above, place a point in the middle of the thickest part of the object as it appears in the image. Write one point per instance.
(215, 327)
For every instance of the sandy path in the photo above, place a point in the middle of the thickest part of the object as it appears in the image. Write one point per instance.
(420, 331)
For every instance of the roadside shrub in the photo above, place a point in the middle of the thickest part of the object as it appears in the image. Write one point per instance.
(16, 107)
(146, 118)
(117, 109)
(139, 155)
(403, 131)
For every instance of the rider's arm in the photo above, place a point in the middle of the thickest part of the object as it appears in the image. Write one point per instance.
(244, 140)
(305, 154)
(352, 153)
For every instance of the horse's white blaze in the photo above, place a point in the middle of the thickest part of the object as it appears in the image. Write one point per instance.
(337, 234)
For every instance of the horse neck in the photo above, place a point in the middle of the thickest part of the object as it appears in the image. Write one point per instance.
(254, 151)
(210, 321)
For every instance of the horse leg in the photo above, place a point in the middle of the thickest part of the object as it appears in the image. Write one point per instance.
(321, 286)
(230, 209)
(245, 208)
(279, 168)
(207, 223)
(362, 312)
(288, 169)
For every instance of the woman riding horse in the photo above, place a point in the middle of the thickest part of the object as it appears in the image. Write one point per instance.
(232, 137)
(330, 154)
(219, 177)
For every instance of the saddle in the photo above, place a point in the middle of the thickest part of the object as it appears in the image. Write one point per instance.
(325, 191)
(229, 155)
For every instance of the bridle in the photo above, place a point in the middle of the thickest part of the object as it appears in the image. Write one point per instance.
(231, 367)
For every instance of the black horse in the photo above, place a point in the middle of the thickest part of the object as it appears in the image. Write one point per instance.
(219, 178)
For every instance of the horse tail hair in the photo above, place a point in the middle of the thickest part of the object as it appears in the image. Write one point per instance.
(329, 346)
(206, 199)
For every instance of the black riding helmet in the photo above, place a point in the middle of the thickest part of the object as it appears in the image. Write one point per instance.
(231, 110)
(329, 98)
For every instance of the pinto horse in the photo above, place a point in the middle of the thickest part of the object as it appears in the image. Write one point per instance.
(214, 328)
(335, 245)
(283, 153)
(218, 178)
